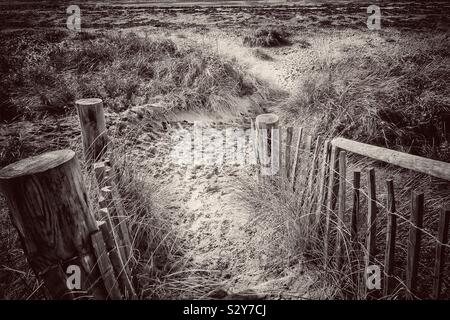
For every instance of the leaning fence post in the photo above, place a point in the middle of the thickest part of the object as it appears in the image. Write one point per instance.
(333, 190)
(440, 252)
(371, 224)
(356, 186)
(323, 179)
(295, 163)
(93, 128)
(340, 239)
(48, 206)
(310, 195)
(287, 153)
(355, 206)
(415, 237)
(391, 231)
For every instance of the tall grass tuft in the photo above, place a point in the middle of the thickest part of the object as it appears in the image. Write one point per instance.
(266, 37)
(394, 98)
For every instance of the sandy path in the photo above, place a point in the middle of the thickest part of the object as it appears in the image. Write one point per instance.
(220, 234)
(202, 193)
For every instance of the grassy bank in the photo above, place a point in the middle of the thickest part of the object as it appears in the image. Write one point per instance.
(388, 89)
(45, 72)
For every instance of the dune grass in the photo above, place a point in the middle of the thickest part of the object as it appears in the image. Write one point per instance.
(295, 228)
(266, 37)
(397, 99)
(394, 96)
(45, 72)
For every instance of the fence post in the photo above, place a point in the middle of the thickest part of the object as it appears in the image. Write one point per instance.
(415, 236)
(48, 206)
(322, 197)
(295, 163)
(355, 206)
(391, 231)
(333, 190)
(371, 243)
(93, 128)
(114, 214)
(356, 188)
(266, 124)
(287, 153)
(440, 252)
(310, 195)
(341, 209)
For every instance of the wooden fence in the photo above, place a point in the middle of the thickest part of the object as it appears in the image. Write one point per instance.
(49, 207)
(60, 235)
(317, 172)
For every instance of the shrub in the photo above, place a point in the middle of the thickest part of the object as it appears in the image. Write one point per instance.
(266, 37)
(260, 54)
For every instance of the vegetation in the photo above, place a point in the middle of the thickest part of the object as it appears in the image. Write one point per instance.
(397, 98)
(260, 54)
(266, 37)
(45, 72)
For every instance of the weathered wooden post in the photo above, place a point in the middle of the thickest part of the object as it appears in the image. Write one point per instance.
(414, 241)
(340, 238)
(115, 232)
(295, 163)
(391, 233)
(323, 182)
(268, 142)
(440, 253)
(371, 240)
(93, 128)
(356, 190)
(48, 206)
(287, 152)
(333, 191)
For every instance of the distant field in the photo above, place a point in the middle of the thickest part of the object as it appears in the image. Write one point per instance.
(181, 15)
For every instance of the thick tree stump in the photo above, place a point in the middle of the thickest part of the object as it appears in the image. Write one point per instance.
(49, 207)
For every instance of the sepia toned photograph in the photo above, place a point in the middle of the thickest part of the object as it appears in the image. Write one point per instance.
(225, 154)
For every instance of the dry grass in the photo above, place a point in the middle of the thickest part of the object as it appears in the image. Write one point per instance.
(266, 37)
(297, 234)
(47, 71)
(260, 54)
(396, 97)
(163, 269)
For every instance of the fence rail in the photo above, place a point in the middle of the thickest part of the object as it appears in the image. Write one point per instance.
(430, 167)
